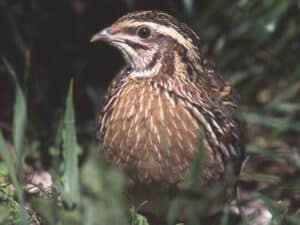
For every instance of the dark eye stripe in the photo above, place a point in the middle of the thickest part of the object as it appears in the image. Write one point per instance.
(136, 45)
(129, 30)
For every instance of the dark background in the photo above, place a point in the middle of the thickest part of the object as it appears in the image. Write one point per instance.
(254, 44)
(50, 41)
(47, 42)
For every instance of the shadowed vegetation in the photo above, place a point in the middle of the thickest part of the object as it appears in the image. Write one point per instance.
(51, 171)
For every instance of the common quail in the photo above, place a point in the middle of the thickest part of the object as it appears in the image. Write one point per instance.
(167, 104)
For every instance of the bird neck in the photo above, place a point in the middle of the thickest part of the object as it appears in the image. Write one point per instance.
(179, 62)
(151, 70)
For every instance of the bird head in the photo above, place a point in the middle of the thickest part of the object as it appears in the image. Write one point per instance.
(151, 42)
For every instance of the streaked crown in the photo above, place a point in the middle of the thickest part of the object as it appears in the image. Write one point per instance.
(152, 42)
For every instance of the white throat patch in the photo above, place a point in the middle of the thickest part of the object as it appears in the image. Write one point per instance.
(153, 71)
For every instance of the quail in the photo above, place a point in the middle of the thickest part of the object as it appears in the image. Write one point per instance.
(167, 104)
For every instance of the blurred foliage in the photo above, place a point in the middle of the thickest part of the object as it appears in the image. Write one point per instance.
(14, 159)
(71, 184)
(255, 44)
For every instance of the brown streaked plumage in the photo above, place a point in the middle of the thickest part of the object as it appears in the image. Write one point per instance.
(167, 104)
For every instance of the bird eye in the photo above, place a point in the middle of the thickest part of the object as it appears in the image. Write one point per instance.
(144, 32)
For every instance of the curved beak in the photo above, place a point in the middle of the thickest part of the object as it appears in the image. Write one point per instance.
(105, 35)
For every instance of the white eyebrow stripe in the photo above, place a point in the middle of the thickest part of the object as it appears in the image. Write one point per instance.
(162, 29)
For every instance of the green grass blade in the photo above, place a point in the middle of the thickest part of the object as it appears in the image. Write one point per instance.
(20, 113)
(19, 123)
(19, 127)
(71, 183)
